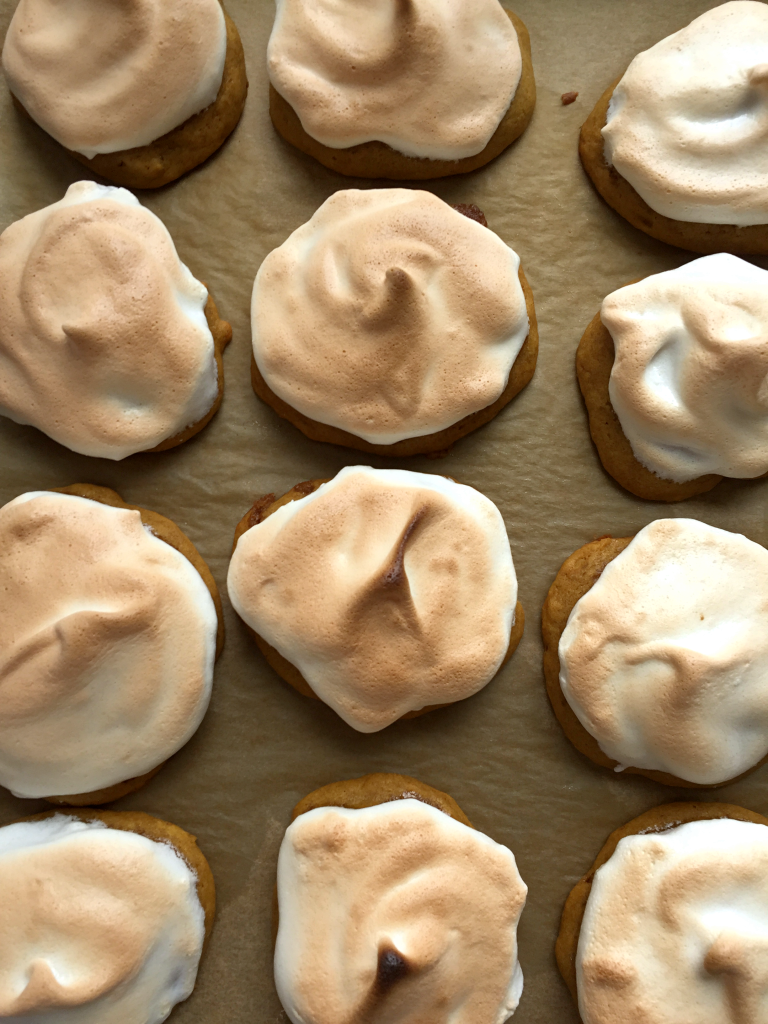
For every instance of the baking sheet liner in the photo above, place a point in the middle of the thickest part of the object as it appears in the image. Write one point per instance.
(501, 753)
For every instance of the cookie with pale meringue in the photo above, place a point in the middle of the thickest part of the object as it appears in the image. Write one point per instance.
(676, 145)
(670, 919)
(112, 604)
(673, 371)
(106, 916)
(140, 93)
(392, 323)
(655, 653)
(405, 90)
(424, 614)
(390, 906)
(108, 344)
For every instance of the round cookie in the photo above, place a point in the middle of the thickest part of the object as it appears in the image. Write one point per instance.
(678, 123)
(185, 145)
(576, 577)
(394, 401)
(657, 820)
(429, 865)
(117, 970)
(267, 506)
(167, 531)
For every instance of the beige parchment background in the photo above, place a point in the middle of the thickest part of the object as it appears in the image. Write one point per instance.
(500, 754)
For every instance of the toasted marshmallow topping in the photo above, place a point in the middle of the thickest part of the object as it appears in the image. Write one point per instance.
(107, 75)
(690, 376)
(388, 590)
(99, 926)
(107, 643)
(676, 928)
(431, 78)
(665, 659)
(687, 125)
(389, 315)
(104, 344)
(396, 913)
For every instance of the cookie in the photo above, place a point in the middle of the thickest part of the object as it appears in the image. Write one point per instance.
(421, 109)
(432, 333)
(113, 601)
(146, 118)
(662, 145)
(643, 640)
(425, 615)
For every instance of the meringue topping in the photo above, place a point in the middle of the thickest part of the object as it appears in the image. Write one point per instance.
(389, 315)
(665, 659)
(430, 78)
(396, 913)
(676, 928)
(100, 926)
(388, 590)
(690, 377)
(107, 644)
(104, 344)
(687, 125)
(106, 75)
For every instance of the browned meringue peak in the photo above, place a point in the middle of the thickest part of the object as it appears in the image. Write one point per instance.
(396, 914)
(99, 925)
(389, 315)
(431, 78)
(104, 344)
(388, 590)
(107, 644)
(676, 929)
(107, 75)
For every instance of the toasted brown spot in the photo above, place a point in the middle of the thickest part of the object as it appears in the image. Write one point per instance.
(391, 968)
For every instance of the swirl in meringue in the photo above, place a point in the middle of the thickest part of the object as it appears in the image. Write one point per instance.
(388, 590)
(689, 382)
(665, 659)
(676, 928)
(389, 315)
(100, 925)
(396, 912)
(107, 645)
(687, 125)
(104, 343)
(102, 76)
(430, 78)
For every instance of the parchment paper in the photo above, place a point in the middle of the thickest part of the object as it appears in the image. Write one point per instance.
(501, 754)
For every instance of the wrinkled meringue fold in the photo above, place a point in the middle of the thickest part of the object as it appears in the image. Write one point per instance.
(107, 645)
(100, 925)
(388, 590)
(389, 315)
(665, 659)
(676, 928)
(430, 78)
(687, 125)
(689, 382)
(101, 76)
(104, 344)
(396, 912)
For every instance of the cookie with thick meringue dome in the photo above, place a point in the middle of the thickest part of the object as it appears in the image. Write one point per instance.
(108, 344)
(677, 145)
(140, 91)
(392, 323)
(383, 593)
(656, 653)
(669, 923)
(106, 915)
(674, 374)
(391, 906)
(400, 89)
(110, 623)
